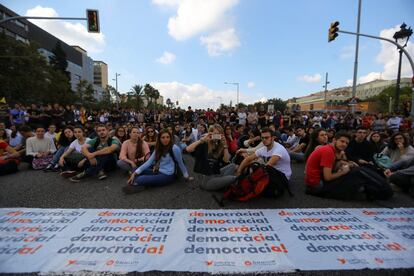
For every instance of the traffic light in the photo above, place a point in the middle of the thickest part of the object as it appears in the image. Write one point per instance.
(333, 31)
(93, 21)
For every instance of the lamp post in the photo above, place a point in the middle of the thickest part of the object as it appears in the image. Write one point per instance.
(401, 37)
(237, 84)
(326, 91)
(116, 88)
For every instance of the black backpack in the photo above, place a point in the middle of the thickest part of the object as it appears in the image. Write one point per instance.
(375, 186)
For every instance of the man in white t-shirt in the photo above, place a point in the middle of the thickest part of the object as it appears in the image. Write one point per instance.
(273, 153)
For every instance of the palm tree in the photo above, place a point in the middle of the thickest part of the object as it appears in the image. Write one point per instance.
(137, 92)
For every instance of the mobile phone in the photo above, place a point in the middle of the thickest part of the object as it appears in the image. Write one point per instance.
(216, 137)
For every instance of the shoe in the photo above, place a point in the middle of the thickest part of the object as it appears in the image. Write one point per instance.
(49, 168)
(102, 175)
(67, 174)
(56, 168)
(77, 178)
(131, 189)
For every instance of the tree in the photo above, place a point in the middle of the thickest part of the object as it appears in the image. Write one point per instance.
(383, 99)
(86, 93)
(137, 93)
(58, 60)
(26, 76)
(151, 94)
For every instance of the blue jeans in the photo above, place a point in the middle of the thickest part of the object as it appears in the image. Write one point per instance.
(105, 162)
(149, 178)
(58, 154)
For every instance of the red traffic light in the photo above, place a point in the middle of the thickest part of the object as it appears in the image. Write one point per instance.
(93, 21)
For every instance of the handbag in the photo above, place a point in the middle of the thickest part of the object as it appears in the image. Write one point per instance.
(382, 161)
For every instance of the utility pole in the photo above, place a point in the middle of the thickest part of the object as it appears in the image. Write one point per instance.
(326, 91)
(116, 88)
(356, 55)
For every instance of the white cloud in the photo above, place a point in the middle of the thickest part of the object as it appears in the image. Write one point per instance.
(196, 17)
(70, 33)
(220, 42)
(309, 78)
(166, 3)
(251, 84)
(388, 57)
(166, 58)
(199, 96)
(349, 82)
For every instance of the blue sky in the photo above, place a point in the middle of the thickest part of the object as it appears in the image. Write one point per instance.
(189, 48)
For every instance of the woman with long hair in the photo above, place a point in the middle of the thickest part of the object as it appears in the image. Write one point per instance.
(399, 148)
(65, 139)
(134, 152)
(318, 137)
(211, 151)
(164, 161)
(150, 137)
(121, 134)
(72, 160)
(376, 142)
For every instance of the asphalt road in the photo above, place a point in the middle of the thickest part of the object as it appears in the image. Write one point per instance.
(36, 189)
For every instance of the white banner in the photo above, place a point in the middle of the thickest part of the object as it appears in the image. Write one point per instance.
(58, 240)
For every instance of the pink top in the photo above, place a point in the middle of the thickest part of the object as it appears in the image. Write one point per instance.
(128, 150)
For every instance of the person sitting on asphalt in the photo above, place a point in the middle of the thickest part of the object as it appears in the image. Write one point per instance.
(164, 161)
(72, 161)
(101, 154)
(8, 159)
(134, 152)
(376, 142)
(15, 139)
(65, 139)
(274, 155)
(298, 153)
(51, 132)
(318, 137)
(359, 149)
(211, 152)
(150, 137)
(40, 149)
(320, 178)
(398, 148)
(401, 174)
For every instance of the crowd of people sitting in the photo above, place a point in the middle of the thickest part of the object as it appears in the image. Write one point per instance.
(344, 154)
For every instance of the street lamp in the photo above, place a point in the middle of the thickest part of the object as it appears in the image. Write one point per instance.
(326, 91)
(116, 88)
(237, 84)
(401, 37)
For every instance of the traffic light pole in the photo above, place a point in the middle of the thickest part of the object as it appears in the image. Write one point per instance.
(41, 17)
(401, 49)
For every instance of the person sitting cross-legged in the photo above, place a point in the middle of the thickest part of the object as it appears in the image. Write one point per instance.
(134, 152)
(101, 154)
(164, 159)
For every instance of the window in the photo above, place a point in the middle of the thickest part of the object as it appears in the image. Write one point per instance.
(20, 24)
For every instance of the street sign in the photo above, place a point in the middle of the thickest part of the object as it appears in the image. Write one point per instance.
(353, 101)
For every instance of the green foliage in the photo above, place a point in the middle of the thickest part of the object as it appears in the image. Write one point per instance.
(58, 61)
(152, 95)
(383, 99)
(85, 93)
(26, 76)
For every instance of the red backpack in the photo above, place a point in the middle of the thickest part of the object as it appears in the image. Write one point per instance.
(257, 179)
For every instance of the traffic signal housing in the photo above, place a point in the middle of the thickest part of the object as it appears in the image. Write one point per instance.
(333, 31)
(93, 21)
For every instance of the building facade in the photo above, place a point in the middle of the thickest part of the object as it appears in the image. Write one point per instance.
(100, 74)
(80, 65)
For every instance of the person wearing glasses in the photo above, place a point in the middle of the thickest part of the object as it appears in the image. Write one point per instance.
(274, 155)
(398, 148)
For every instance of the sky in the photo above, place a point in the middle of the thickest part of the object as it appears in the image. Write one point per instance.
(188, 49)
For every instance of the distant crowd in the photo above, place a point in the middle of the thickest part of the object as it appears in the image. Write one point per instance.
(344, 154)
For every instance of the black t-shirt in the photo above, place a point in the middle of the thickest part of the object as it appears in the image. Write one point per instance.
(304, 140)
(205, 164)
(33, 112)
